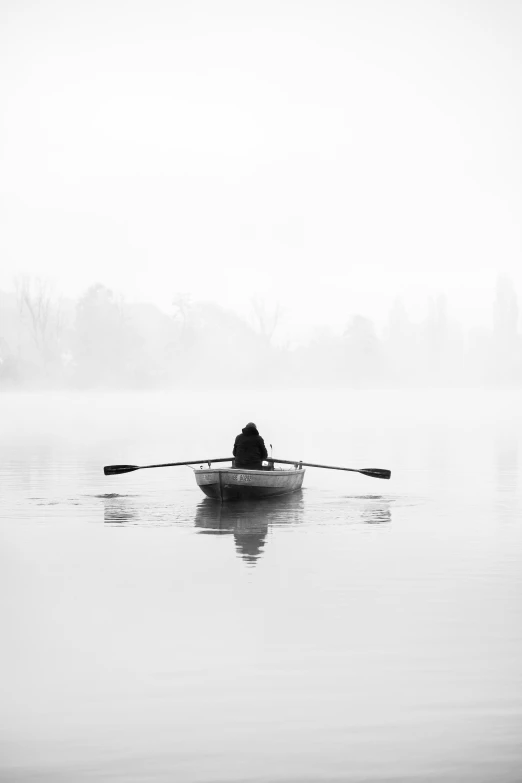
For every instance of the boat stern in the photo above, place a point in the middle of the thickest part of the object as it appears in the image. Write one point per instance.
(230, 483)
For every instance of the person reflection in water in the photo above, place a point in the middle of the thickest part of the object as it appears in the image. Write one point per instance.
(249, 449)
(250, 541)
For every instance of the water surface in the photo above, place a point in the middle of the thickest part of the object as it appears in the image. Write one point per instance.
(357, 630)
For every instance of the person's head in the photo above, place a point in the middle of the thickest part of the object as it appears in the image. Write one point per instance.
(250, 429)
(250, 424)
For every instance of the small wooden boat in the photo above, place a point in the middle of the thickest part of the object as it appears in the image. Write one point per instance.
(228, 483)
(234, 483)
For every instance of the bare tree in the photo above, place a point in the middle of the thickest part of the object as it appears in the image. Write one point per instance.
(35, 306)
(266, 318)
(182, 304)
(40, 317)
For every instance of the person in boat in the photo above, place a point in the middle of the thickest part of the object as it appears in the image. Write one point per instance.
(249, 449)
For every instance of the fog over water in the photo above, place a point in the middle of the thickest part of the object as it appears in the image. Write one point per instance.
(326, 157)
(306, 214)
(102, 341)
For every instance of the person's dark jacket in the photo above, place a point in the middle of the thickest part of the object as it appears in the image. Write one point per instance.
(249, 448)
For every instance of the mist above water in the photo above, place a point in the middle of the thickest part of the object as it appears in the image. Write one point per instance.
(102, 341)
(296, 193)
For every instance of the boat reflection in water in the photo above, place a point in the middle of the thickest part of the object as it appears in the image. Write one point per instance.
(249, 520)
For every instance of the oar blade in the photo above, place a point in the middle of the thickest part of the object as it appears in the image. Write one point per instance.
(113, 470)
(376, 473)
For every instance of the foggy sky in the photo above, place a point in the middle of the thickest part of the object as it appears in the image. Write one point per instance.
(326, 155)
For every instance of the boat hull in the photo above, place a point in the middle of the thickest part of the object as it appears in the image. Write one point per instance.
(235, 483)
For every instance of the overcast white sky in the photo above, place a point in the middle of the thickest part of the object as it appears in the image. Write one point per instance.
(328, 155)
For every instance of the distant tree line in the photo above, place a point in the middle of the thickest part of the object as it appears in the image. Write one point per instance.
(100, 341)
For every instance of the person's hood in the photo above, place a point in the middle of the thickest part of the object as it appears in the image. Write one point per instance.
(249, 430)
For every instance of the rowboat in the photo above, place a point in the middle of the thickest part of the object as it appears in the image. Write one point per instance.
(228, 483)
(238, 483)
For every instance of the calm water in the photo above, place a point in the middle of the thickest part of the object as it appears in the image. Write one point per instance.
(360, 630)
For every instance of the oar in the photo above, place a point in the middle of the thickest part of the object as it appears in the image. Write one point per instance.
(113, 470)
(373, 472)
